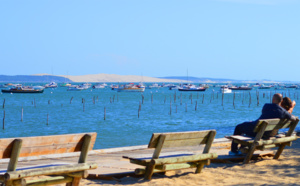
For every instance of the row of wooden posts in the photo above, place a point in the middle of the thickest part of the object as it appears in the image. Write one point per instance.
(112, 99)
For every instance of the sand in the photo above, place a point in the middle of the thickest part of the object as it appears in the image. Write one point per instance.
(285, 171)
(116, 78)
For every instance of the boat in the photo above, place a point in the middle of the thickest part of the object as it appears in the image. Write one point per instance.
(243, 87)
(190, 87)
(3, 86)
(65, 85)
(262, 86)
(225, 90)
(131, 87)
(23, 89)
(114, 87)
(154, 85)
(174, 87)
(98, 85)
(291, 86)
(75, 88)
(51, 85)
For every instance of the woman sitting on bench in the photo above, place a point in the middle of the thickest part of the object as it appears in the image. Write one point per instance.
(270, 111)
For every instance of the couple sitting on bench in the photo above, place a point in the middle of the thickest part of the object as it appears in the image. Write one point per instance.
(281, 108)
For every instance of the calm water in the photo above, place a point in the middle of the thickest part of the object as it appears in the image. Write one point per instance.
(122, 126)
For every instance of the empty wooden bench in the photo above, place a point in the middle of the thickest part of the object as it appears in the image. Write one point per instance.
(70, 174)
(258, 143)
(161, 163)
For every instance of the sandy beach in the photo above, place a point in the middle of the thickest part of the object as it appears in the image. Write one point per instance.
(267, 171)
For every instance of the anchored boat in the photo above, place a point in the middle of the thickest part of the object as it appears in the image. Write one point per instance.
(23, 89)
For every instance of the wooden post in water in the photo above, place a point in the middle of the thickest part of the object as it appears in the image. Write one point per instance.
(3, 119)
(175, 97)
(140, 106)
(222, 97)
(185, 107)
(48, 102)
(151, 97)
(143, 99)
(47, 118)
(139, 109)
(4, 103)
(34, 103)
(170, 107)
(22, 115)
(249, 99)
(203, 99)
(191, 98)
(83, 101)
(196, 106)
(71, 99)
(180, 99)
(257, 96)
(104, 113)
(165, 99)
(233, 100)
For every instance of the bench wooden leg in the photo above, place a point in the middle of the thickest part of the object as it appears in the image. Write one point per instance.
(199, 168)
(249, 154)
(279, 151)
(75, 182)
(149, 171)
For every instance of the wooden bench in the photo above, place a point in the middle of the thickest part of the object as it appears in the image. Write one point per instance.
(161, 163)
(71, 174)
(258, 143)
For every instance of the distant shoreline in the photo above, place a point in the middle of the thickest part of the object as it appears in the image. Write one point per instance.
(93, 78)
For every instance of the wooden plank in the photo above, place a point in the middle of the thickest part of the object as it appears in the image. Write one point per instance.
(42, 145)
(276, 140)
(177, 136)
(273, 124)
(183, 159)
(49, 181)
(185, 142)
(63, 169)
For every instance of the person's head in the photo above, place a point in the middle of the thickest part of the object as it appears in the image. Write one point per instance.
(277, 98)
(286, 103)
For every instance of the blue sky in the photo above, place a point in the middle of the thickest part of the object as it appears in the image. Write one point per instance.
(237, 39)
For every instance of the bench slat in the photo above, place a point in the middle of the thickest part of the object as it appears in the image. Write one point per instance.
(42, 145)
(180, 136)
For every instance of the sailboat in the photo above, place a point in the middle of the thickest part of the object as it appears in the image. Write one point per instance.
(190, 87)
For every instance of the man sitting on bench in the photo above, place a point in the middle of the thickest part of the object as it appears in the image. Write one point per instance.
(269, 111)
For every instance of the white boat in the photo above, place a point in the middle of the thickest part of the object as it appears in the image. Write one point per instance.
(225, 90)
(154, 85)
(131, 87)
(262, 86)
(75, 88)
(190, 87)
(51, 85)
(98, 85)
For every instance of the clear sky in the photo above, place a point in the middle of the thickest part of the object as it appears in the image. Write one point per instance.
(237, 39)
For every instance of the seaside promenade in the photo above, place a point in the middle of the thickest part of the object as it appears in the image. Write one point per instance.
(112, 167)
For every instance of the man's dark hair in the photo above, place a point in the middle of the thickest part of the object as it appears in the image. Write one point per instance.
(277, 98)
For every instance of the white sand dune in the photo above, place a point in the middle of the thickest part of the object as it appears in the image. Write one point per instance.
(115, 78)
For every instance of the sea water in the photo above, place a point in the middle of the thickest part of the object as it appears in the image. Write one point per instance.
(58, 111)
